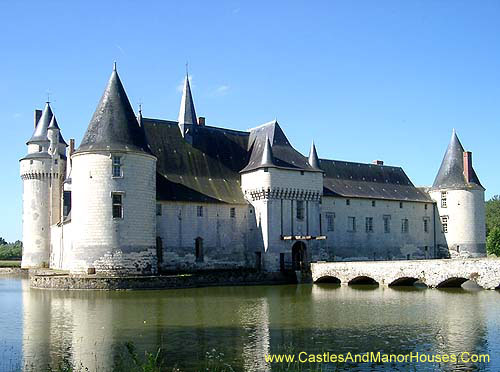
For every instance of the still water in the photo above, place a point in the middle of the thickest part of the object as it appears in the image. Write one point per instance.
(240, 325)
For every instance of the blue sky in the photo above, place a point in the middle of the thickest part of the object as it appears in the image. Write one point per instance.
(365, 79)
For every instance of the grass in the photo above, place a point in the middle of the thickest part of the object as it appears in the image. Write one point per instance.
(130, 360)
(5, 263)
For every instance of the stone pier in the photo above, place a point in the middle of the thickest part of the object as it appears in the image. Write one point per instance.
(433, 273)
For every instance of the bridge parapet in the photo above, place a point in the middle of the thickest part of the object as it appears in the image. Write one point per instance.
(434, 273)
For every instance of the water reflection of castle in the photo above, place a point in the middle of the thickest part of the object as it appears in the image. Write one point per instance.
(246, 323)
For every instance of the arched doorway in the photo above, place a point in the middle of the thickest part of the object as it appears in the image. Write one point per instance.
(299, 256)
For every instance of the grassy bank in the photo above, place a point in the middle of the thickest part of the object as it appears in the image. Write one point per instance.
(10, 263)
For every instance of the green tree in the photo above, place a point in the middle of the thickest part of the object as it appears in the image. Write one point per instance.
(492, 213)
(2, 241)
(493, 241)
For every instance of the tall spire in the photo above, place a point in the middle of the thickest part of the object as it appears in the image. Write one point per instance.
(267, 154)
(187, 114)
(451, 172)
(114, 125)
(40, 133)
(313, 157)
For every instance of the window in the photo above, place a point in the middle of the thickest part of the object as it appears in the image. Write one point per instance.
(348, 202)
(301, 173)
(387, 224)
(232, 213)
(300, 209)
(117, 205)
(159, 249)
(400, 204)
(266, 169)
(444, 201)
(425, 206)
(198, 246)
(330, 220)
(369, 224)
(351, 224)
(117, 166)
(373, 203)
(426, 225)
(66, 203)
(39, 148)
(199, 211)
(55, 161)
(158, 209)
(404, 225)
(444, 223)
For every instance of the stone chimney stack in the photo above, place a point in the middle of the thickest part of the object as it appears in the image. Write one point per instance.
(468, 165)
(201, 121)
(38, 115)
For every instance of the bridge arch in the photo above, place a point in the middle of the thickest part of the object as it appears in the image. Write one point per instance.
(362, 279)
(328, 279)
(403, 281)
(453, 282)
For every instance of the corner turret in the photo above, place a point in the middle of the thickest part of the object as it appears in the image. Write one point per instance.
(114, 191)
(43, 171)
(459, 196)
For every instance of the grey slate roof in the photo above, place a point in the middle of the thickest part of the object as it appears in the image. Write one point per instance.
(313, 159)
(187, 114)
(267, 155)
(209, 169)
(114, 125)
(53, 125)
(451, 173)
(359, 180)
(40, 132)
(206, 171)
(284, 155)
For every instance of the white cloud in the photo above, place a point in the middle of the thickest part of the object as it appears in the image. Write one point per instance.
(221, 90)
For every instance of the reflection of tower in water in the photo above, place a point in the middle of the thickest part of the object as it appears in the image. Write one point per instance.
(66, 327)
(254, 317)
(36, 327)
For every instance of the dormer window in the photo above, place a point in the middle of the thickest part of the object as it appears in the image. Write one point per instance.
(40, 148)
(117, 166)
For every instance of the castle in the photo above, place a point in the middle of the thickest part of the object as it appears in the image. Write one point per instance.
(142, 195)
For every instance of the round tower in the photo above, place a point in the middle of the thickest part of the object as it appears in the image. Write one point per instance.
(114, 192)
(42, 171)
(459, 197)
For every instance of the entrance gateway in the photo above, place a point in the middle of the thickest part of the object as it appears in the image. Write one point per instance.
(299, 256)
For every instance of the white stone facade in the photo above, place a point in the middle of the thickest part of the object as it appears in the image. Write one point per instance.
(105, 242)
(463, 213)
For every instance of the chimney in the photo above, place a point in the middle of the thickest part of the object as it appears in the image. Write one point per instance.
(378, 162)
(468, 165)
(38, 114)
(201, 121)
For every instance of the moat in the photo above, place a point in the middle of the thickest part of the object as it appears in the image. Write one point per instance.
(240, 325)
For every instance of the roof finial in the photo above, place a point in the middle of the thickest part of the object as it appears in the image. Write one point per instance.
(140, 108)
(48, 96)
(114, 66)
(187, 68)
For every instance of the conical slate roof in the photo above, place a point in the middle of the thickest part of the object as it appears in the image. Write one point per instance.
(451, 172)
(53, 125)
(114, 125)
(187, 114)
(267, 155)
(313, 157)
(40, 133)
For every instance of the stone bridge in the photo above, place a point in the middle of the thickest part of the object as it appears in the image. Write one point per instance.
(433, 273)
